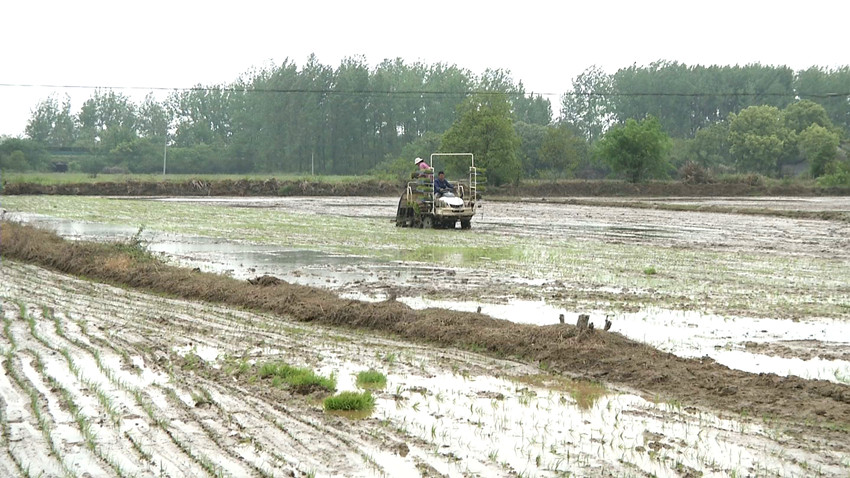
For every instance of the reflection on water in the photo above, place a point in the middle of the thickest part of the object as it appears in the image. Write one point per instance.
(689, 333)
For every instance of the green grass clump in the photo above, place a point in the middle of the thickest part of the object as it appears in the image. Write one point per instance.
(371, 379)
(350, 401)
(650, 271)
(301, 380)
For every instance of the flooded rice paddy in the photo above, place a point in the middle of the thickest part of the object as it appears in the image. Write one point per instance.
(107, 382)
(755, 293)
(694, 284)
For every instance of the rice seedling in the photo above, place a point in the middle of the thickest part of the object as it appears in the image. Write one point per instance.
(82, 421)
(7, 331)
(35, 408)
(48, 313)
(350, 401)
(213, 435)
(146, 455)
(371, 379)
(300, 380)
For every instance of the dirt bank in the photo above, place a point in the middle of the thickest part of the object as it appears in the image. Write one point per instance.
(578, 188)
(371, 187)
(649, 203)
(599, 355)
(197, 187)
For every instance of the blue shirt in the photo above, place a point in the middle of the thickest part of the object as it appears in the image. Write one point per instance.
(441, 184)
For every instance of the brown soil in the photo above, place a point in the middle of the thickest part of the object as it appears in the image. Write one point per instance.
(371, 187)
(802, 349)
(599, 355)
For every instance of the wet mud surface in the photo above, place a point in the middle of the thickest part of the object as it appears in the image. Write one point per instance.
(764, 294)
(103, 381)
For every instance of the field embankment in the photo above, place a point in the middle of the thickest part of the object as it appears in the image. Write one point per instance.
(355, 186)
(598, 355)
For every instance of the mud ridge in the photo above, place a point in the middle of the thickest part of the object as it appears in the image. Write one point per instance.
(794, 214)
(376, 187)
(599, 355)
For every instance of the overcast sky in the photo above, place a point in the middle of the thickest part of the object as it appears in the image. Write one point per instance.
(545, 44)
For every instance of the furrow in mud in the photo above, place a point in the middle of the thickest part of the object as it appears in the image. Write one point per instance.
(108, 439)
(168, 423)
(107, 329)
(100, 342)
(174, 370)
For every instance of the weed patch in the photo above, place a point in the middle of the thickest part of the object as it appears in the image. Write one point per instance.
(300, 380)
(350, 401)
(371, 379)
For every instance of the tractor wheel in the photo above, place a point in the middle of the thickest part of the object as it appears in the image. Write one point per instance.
(465, 223)
(401, 213)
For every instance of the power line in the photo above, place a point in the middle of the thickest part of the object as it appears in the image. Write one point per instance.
(414, 92)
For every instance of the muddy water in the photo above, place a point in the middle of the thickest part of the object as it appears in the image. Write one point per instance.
(685, 333)
(726, 339)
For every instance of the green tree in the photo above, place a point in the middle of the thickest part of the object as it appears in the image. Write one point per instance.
(106, 119)
(401, 166)
(139, 155)
(638, 149)
(436, 112)
(22, 154)
(202, 115)
(589, 106)
(530, 139)
(533, 109)
(804, 113)
(827, 87)
(349, 118)
(153, 119)
(687, 98)
(561, 151)
(710, 146)
(485, 128)
(819, 146)
(758, 139)
(52, 124)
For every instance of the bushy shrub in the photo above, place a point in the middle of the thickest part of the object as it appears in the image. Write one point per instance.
(837, 174)
(754, 180)
(694, 173)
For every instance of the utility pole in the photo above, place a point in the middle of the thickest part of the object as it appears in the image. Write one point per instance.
(164, 150)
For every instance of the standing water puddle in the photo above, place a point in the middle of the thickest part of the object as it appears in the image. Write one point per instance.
(693, 334)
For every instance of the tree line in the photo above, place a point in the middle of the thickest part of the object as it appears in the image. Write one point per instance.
(356, 119)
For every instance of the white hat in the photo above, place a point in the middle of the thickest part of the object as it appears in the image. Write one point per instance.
(418, 160)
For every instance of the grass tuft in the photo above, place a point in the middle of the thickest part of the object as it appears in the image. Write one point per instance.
(371, 379)
(350, 401)
(301, 380)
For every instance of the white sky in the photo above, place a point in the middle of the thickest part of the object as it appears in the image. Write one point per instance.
(545, 44)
